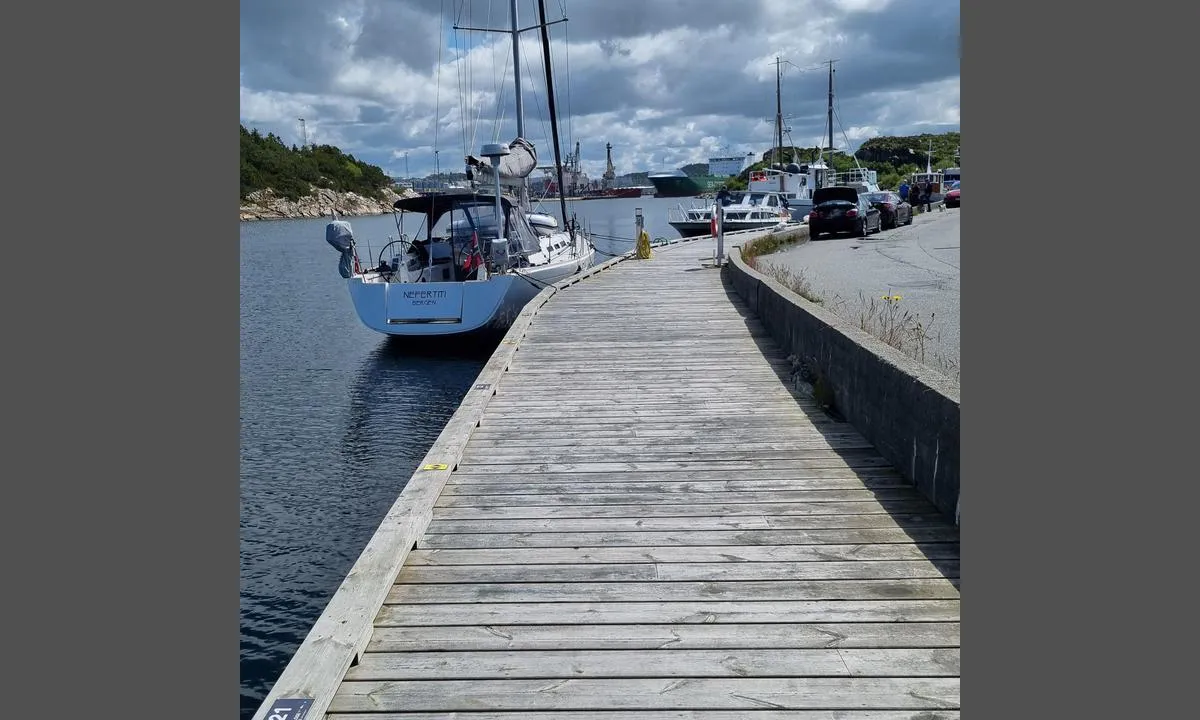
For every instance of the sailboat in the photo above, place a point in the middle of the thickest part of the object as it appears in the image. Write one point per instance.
(484, 254)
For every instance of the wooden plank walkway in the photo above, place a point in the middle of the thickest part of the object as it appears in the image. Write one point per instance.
(647, 523)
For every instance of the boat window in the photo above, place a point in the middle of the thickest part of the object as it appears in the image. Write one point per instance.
(521, 236)
(772, 201)
(461, 224)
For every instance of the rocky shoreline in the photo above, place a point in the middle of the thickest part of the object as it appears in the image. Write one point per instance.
(266, 205)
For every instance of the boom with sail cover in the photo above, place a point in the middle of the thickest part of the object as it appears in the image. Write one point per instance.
(514, 167)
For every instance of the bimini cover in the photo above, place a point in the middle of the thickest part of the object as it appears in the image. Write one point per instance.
(341, 237)
(514, 167)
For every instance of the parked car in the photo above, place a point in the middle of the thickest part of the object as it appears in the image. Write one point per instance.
(841, 209)
(893, 209)
(951, 198)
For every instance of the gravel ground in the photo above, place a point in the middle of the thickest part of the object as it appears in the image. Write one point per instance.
(918, 262)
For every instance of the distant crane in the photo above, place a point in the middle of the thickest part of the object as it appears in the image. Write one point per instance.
(610, 172)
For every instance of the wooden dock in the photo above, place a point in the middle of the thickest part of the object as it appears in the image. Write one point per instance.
(642, 520)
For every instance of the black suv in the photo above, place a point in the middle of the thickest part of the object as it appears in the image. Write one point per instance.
(841, 209)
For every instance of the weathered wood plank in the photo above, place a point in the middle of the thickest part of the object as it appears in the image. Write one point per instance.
(657, 447)
(631, 433)
(675, 636)
(652, 466)
(682, 507)
(662, 416)
(693, 523)
(533, 592)
(690, 611)
(726, 395)
(769, 385)
(477, 494)
(664, 715)
(644, 419)
(638, 484)
(733, 478)
(629, 572)
(590, 453)
(651, 693)
(632, 484)
(675, 663)
(707, 537)
(682, 554)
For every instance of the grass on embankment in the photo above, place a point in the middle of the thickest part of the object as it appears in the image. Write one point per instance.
(883, 318)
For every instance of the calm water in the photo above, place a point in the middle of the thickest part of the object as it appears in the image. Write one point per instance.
(334, 419)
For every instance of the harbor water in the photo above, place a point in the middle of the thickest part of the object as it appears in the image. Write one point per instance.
(335, 418)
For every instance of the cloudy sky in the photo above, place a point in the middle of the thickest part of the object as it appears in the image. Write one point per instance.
(667, 82)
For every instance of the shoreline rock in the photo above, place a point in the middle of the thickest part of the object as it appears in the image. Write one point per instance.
(266, 205)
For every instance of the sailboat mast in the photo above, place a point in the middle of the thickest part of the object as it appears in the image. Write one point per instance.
(516, 40)
(830, 118)
(562, 198)
(778, 119)
(516, 48)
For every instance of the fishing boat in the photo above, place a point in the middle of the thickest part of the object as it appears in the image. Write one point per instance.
(798, 181)
(743, 211)
(484, 252)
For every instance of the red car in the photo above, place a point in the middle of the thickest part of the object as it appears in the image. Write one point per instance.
(893, 211)
(952, 198)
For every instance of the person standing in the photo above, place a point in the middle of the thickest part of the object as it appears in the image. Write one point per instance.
(904, 190)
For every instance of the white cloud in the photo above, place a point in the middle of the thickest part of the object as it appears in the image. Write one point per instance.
(667, 84)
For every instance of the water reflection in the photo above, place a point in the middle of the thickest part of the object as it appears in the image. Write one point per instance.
(400, 399)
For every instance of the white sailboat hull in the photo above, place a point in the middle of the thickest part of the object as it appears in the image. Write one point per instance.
(432, 309)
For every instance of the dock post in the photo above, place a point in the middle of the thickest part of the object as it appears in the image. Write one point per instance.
(720, 214)
(643, 238)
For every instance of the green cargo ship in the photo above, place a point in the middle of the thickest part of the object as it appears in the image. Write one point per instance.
(677, 184)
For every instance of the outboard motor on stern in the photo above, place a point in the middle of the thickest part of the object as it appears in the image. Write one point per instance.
(341, 237)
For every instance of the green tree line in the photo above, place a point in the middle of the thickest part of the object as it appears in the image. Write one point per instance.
(266, 162)
(892, 157)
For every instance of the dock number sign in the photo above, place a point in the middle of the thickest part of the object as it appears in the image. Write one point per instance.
(290, 709)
